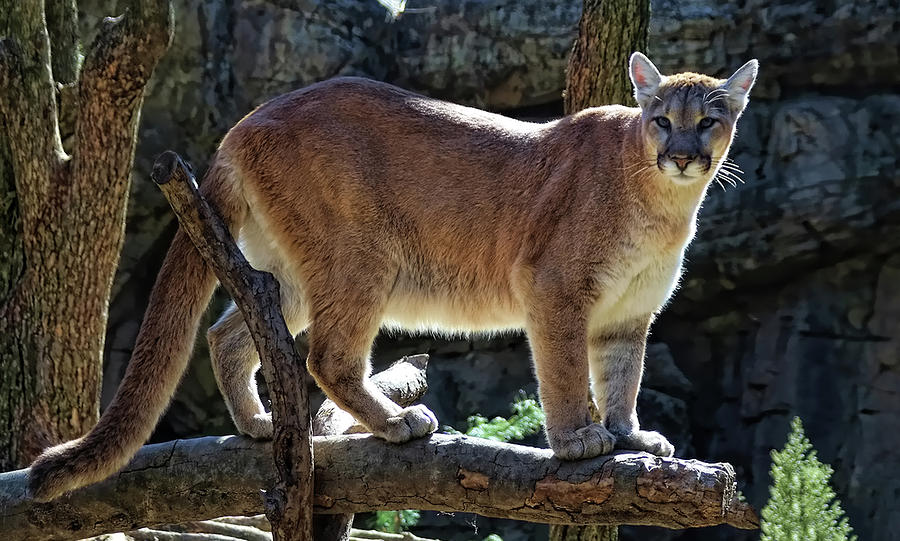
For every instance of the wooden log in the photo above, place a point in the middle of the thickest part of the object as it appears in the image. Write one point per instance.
(204, 478)
(404, 383)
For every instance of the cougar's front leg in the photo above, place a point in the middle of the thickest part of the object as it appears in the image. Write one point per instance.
(557, 334)
(617, 362)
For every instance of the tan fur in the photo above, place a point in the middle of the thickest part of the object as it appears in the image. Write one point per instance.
(378, 207)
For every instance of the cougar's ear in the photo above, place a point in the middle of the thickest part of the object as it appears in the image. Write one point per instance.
(738, 85)
(644, 77)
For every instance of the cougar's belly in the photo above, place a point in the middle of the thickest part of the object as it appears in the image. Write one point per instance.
(452, 307)
(263, 253)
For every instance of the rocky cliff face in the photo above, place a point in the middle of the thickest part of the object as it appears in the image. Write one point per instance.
(790, 302)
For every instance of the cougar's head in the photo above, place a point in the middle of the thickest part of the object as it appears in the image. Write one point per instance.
(688, 119)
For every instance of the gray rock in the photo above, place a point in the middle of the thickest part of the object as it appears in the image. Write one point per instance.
(662, 374)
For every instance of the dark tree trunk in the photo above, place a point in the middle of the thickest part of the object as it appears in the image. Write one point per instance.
(572, 532)
(609, 31)
(62, 25)
(65, 227)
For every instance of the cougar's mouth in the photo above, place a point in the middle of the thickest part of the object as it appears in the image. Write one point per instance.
(697, 169)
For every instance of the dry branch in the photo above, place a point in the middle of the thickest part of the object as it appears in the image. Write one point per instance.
(204, 478)
(216, 528)
(370, 535)
(258, 296)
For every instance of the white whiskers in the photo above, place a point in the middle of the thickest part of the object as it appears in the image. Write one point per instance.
(728, 171)
(638, 167)
(714, 95)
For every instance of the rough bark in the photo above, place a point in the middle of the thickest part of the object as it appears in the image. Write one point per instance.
(404, 382)
(13, 262)
(609, 31)
(577, 532)
(203, 478)
(69, 227)
(257, 295)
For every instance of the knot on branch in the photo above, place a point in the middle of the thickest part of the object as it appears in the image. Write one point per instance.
(165, 167)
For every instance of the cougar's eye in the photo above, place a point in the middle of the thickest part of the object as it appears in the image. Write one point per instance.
(663, 122)
(706, 123)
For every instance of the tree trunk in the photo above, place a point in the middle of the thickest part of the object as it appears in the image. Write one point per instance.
(571, 532)
(66, 227)
(609, 31)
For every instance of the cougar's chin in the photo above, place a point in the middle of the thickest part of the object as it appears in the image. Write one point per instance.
(684, 179)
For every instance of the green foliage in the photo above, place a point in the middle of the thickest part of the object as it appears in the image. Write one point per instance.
(395, 521)
(527, 419)
(802, 506)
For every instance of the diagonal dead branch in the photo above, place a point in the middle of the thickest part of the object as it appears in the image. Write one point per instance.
(257, 295)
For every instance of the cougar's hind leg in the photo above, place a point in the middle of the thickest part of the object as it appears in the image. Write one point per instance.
(344, 324)
(235, 362)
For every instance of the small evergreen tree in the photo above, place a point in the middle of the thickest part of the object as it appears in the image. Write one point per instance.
(802, 506)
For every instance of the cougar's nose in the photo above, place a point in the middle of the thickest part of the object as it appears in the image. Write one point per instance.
(682, 160)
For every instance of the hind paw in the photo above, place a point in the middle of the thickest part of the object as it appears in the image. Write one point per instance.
(258, 427)
(412, 422)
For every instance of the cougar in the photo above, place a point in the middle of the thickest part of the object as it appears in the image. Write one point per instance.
(376, 207)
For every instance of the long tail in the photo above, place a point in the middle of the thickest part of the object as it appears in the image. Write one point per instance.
(164, 344)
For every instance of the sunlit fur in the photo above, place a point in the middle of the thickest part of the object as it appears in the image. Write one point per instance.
(377, 207)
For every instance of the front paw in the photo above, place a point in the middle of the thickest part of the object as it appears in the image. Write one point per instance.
(645, 440)
(585, 442)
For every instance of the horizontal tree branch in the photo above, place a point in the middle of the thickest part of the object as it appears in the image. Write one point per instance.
(365, 535)
(204, 478)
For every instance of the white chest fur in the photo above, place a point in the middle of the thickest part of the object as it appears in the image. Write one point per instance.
(636, 290)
